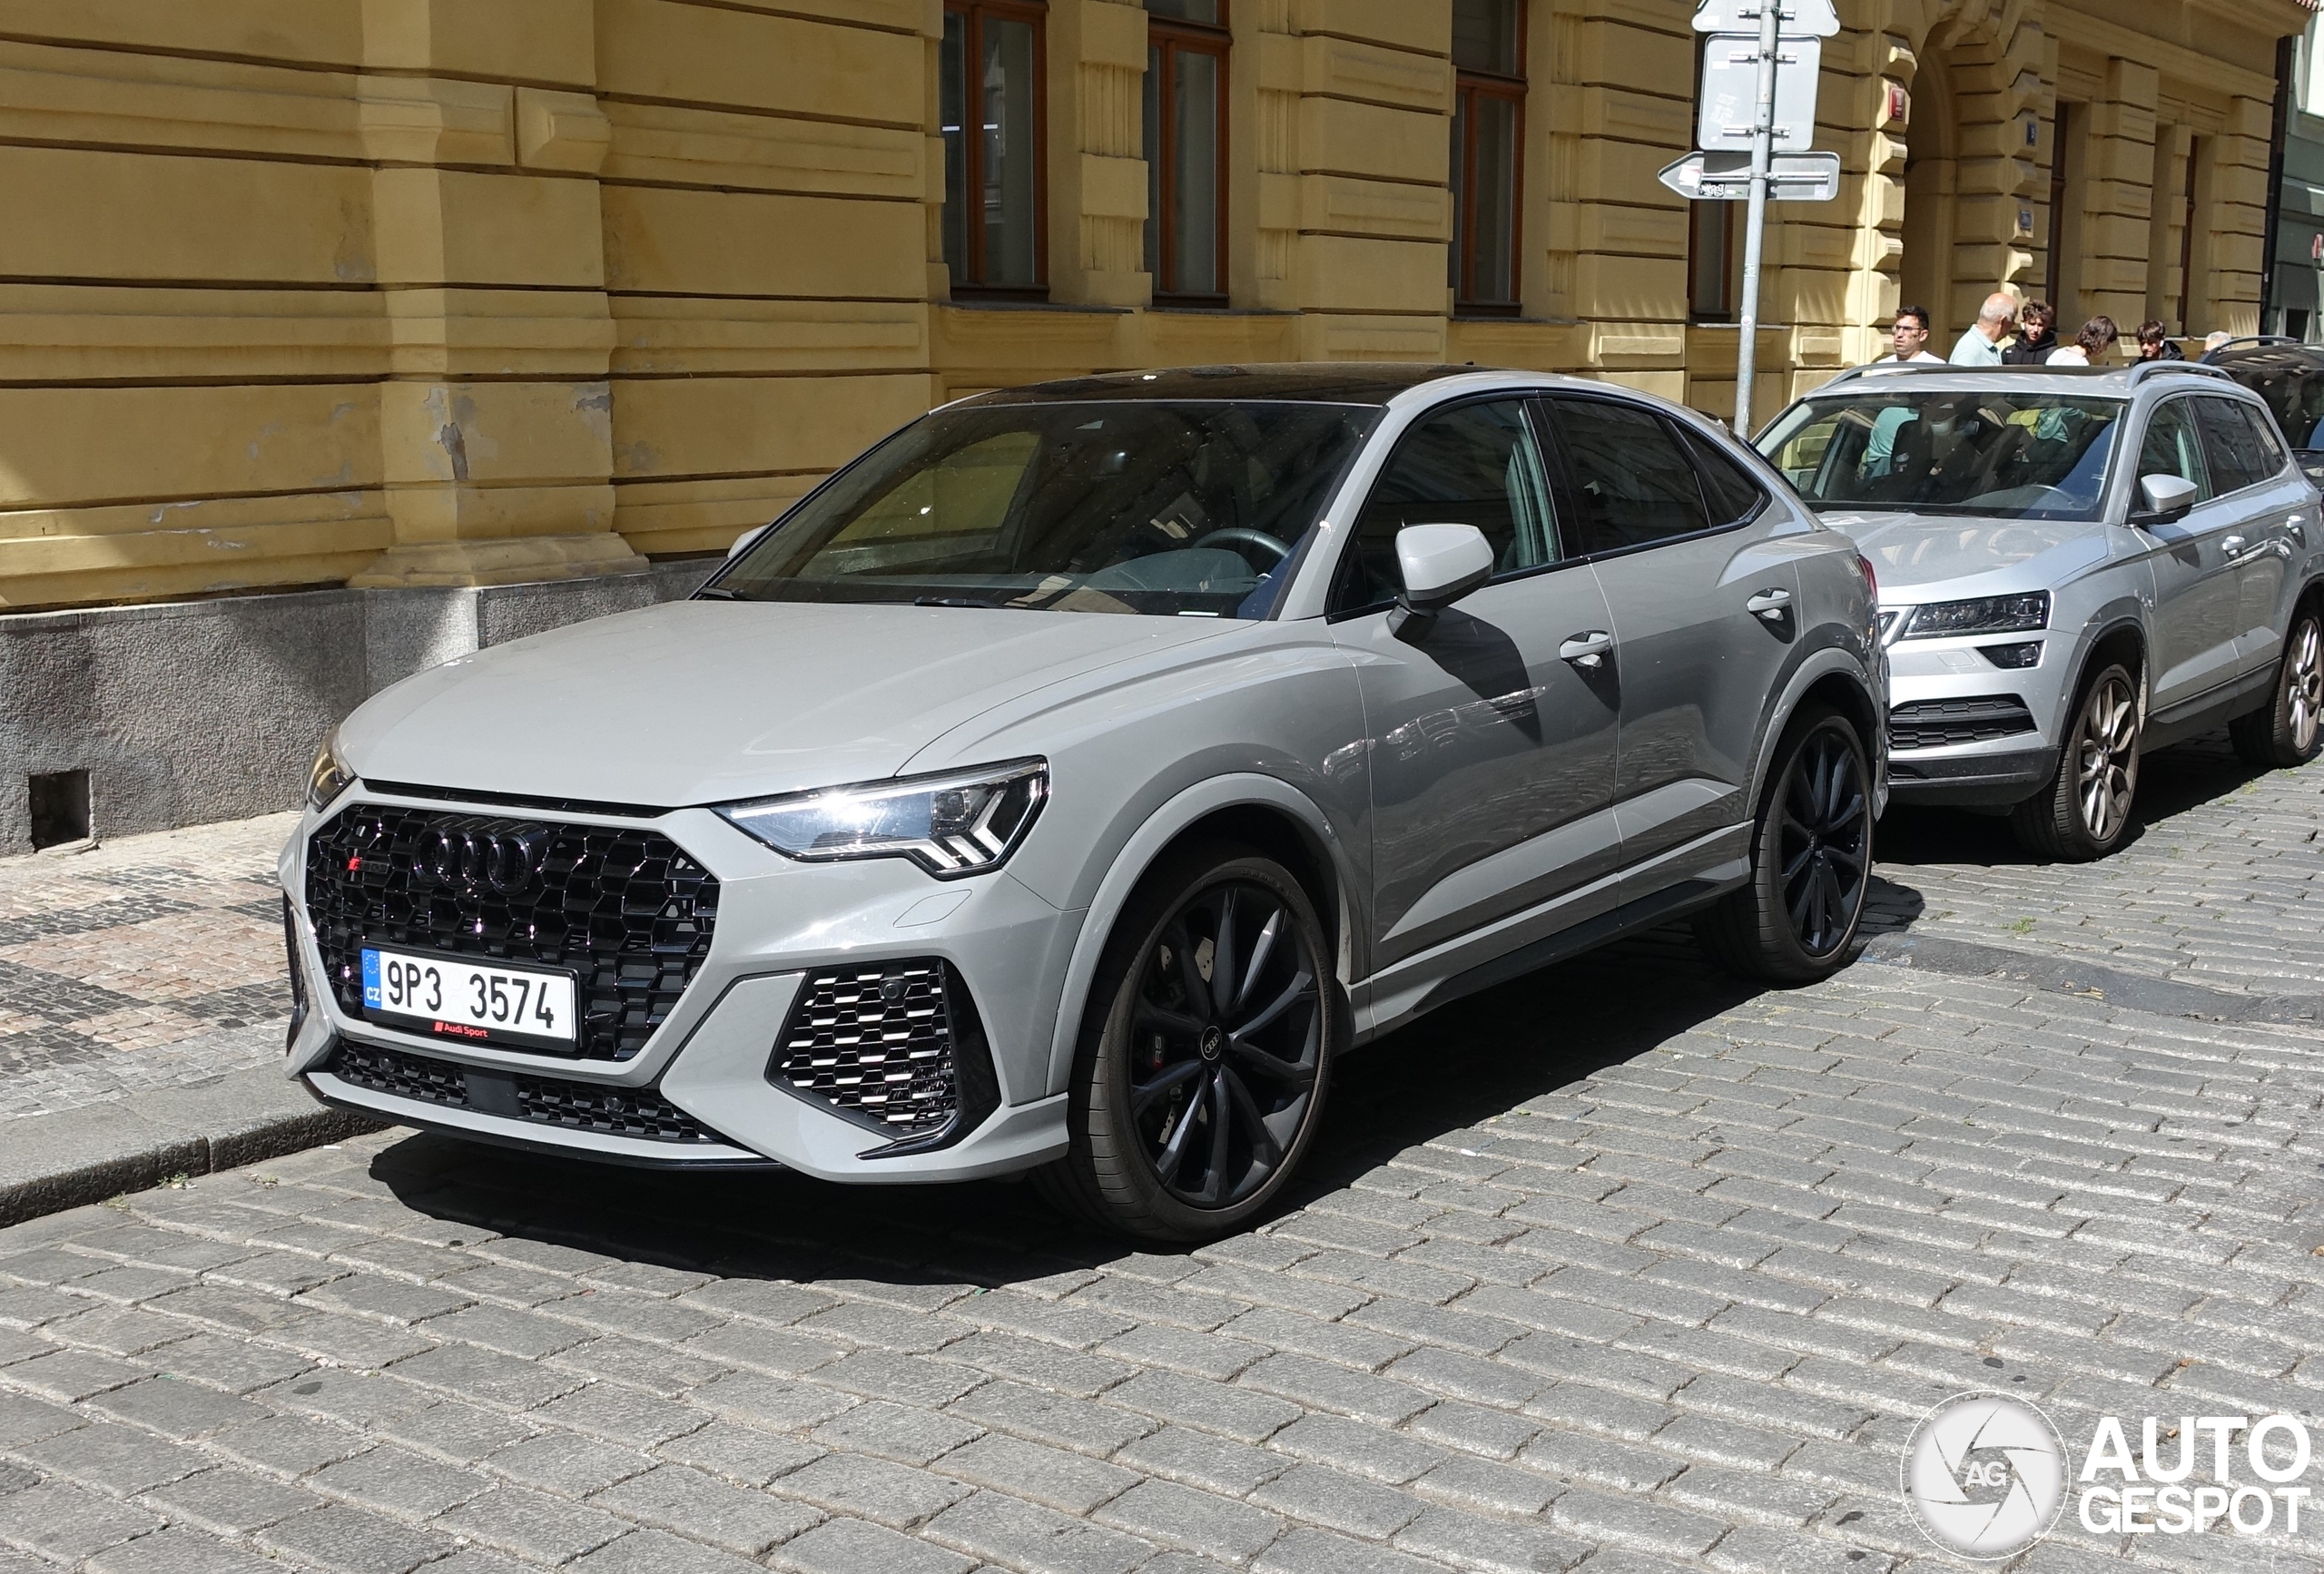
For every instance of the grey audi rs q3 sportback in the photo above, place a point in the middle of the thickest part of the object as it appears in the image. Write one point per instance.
(1067, 782)
(2076, 567)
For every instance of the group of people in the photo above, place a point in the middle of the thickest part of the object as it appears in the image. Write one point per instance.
(2032, 336)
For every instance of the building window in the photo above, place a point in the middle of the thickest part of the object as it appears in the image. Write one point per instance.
(1488, 142)
(2055, 277)
(1714, 261)
(2187, 296)
(1185, 149)
(990, 107)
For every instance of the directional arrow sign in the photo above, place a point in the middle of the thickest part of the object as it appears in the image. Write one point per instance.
(1797, 18)
(1729, 94)
(1701, 177)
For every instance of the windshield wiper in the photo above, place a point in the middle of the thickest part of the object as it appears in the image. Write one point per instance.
(721, 593)
(953, 601)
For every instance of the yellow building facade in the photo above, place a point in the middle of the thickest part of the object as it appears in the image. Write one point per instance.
(427, 293)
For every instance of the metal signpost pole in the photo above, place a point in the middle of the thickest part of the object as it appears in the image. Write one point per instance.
(1755, 232)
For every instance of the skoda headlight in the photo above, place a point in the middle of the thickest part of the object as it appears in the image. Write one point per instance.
(961, 823)
(331, 776)
(1988, 614)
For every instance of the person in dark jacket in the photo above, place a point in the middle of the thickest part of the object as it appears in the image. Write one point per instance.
(2155, 342)
(2037, 335)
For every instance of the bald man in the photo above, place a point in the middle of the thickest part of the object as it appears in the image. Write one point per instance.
(1981, 345)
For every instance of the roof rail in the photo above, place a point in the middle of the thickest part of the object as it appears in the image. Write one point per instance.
(2145, 369)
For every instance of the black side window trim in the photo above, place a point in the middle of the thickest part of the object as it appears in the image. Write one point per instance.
(1569, 503)
(1526, 399)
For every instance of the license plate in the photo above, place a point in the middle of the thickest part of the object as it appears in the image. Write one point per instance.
(453, 998)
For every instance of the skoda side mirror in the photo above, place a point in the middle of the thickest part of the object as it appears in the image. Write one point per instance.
(1440, 564)
(2167, 497)
(745, 541)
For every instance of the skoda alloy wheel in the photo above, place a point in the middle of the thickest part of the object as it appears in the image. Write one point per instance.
(1197, 1092)
(2290, 731)
(2085, 812)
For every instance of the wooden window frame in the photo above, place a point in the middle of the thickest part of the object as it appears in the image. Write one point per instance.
(972, 14)
(1469, 86)
(1171, 37)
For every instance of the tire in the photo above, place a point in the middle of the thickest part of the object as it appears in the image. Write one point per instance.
(2085, 814)
(2290, 731)
(1796, 920)
(1194, 1096)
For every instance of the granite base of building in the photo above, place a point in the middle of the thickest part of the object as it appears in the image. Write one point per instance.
(150, 717)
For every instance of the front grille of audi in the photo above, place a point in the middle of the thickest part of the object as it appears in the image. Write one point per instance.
(1934, 723)
(882, 1043)
(626, 910)
(635, 1112)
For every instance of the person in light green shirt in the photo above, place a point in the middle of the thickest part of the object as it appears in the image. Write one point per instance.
(1981, 345)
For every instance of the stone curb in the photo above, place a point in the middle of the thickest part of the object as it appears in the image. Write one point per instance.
(49, 1163)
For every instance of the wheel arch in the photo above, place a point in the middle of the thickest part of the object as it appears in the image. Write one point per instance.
(1259, 811)
(1829, 677)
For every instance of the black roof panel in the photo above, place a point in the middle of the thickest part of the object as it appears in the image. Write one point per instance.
(1308, 382)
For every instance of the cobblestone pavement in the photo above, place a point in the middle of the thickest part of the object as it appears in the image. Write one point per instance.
(149, 961)
(1624, 1267)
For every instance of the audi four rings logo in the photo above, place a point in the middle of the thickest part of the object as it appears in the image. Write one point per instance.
(507, 864)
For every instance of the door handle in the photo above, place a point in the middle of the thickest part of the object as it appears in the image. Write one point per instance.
(1771, 605)
(1587, 650)
(2231, 547)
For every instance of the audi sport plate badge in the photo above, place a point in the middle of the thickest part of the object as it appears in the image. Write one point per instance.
(453, 998)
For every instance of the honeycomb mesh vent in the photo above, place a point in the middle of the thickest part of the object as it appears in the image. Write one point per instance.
(875, 1042)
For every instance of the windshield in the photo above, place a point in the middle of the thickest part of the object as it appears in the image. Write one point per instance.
(2020, 456)
(1194, 509)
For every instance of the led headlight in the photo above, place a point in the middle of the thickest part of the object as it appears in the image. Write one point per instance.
(1989, 614)
(961, 823)
(330, 775)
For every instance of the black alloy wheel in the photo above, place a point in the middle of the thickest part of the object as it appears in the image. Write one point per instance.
(2085, 812)
(1198, 1089)
(1823, 841)
(1795, 920)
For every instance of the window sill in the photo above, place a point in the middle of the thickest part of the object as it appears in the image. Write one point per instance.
(1004, 303)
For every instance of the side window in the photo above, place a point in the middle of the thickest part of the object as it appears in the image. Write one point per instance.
(1472, 465)
(2237, 459)
(2269, 446)
(1632, 484)
(1728, 489)
(2173, 448)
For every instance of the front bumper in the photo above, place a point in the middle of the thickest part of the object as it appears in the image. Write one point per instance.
(1964, 730)
(701, 1090)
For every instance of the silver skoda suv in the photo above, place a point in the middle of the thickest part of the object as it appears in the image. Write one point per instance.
(1067, 782)
(2076, 567)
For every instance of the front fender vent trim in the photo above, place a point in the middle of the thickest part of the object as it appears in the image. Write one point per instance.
(895, 1046)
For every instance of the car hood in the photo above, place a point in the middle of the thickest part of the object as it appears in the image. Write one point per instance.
(1909, 551)
(703, 701)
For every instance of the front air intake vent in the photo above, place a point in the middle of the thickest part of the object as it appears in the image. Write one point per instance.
(633, 1112)
(895, 1046)
(1935, 723)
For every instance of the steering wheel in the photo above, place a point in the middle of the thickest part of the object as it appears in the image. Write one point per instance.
(1236, 535)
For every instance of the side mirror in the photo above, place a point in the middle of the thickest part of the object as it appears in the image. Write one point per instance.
(1440, 564)
(2166, 498)
(745, 541)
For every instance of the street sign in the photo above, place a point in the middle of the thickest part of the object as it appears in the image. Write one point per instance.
(1724, 177)
(1797, 18)
(1730, 96)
